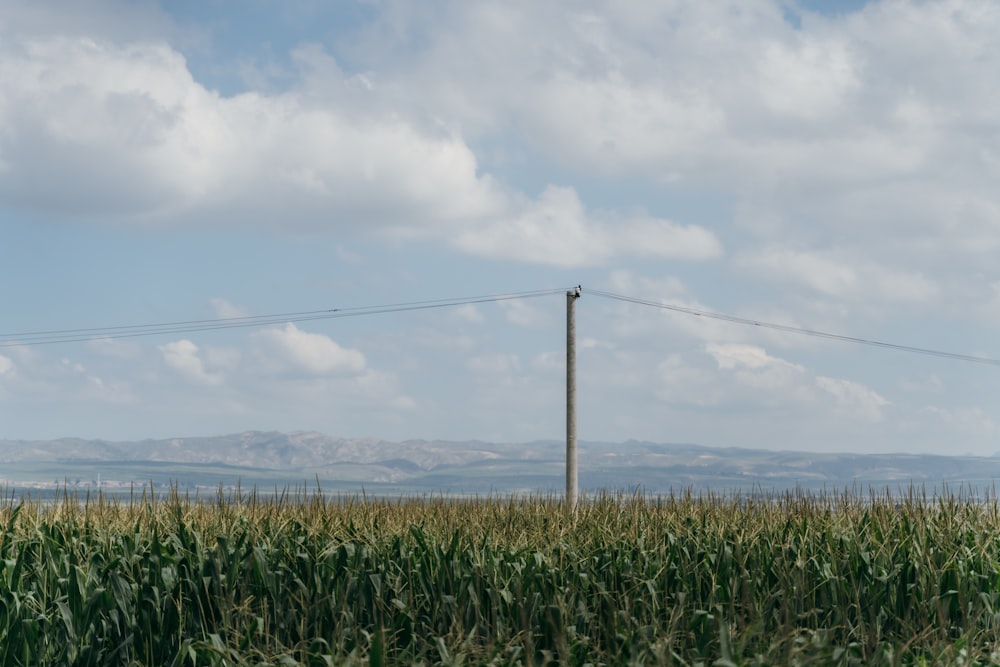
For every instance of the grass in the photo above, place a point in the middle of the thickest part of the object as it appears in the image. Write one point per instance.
(682, 580)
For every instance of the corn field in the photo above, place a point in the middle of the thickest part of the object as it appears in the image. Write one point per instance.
(308, 580)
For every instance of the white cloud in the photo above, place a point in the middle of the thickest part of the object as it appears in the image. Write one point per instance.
(754, 369)
(222, 358)
(73, 367)
(721, 113)
(226, 310)
(927, 384)
(854, 398)
(524, 314)
(495, 364)
(549, 362)
(182, 357)
(808, 80)
(824, 272)
(628, 282)
(167, 147)
(109, 19)
(116, 349)
(679, 382)
(290, 349)
(969, 420)
(557, 230)
(875, 125)
(468, 313)
(591, 343)
(110, 391)
(432, 339)
(840, 175)
(612, 122)
(988, 306)
(633, 321)
(383, 388)
(749, 381)
(327, 155)
(778, 390)
(745, 356)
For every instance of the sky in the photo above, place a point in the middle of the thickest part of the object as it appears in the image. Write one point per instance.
(831, 166)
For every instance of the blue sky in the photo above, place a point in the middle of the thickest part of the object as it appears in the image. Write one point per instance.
(827, 166)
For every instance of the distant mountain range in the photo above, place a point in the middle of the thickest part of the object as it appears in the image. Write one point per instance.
(302, 459)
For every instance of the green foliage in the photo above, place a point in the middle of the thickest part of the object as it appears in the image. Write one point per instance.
(246, 580)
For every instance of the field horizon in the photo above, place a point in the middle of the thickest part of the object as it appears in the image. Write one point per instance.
(266, 460)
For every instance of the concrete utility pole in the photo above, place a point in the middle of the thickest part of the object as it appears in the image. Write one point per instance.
(571, 470)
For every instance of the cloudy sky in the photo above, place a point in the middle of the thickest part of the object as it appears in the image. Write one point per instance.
(825, 165)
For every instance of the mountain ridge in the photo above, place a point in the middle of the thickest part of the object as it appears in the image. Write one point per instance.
(465, 466)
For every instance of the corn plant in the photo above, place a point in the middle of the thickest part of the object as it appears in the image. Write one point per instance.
(297, 579)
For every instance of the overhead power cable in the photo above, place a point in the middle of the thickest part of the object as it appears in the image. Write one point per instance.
(796, 330)
(54, 336)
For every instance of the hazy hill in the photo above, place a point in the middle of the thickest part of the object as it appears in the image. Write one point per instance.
(418, 466)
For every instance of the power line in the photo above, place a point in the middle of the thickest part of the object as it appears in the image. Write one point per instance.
(75, 335)
(796, 330)
(55, 336)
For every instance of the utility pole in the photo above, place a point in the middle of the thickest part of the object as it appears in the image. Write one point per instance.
(571, 469)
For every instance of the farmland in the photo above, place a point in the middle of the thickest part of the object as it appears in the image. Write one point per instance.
(677, 580)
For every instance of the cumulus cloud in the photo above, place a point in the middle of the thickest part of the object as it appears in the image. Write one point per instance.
(556, 229)
(291, 350)
(745, 356)
(681, 382)
(853, 397)
(226, 310)
(839, 161)
(726, 96)
(614, 123)
(721, 92)
(809, 79)
(328, 155)
(110, 391)
(746, 375)
(753, 368)
(383, 388)
(167, 147)
(281, 378)
(182, 357)
(872, 129)
(843, 278)
(636, 321)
